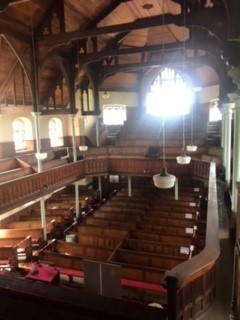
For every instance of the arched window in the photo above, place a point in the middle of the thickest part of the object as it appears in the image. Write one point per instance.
(55, 132)
(22, 134)
(168, 94)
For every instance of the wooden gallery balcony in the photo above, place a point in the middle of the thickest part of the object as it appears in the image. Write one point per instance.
(190, 285)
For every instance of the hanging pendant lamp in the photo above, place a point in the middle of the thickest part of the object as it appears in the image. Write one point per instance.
(183, 158)
(192, 147)
(164, 180)
(105, 94)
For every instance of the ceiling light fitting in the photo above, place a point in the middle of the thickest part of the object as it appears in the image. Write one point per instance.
(105, 94)
(183, 158)
(164, 180)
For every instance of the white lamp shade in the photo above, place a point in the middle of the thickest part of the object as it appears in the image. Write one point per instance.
(105, 95)
(41, 155)
(83, 148)
(183, 159)
(191, 148)
(164, 181)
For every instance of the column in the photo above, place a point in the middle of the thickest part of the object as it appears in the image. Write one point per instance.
(77, 207)
(43, 217)
(72, 117)
(234, 73)
(97, 144)
(176, 189)
(129, 186)
(100, 187)
(97, 131)
(227, 140)
(236, 156)
(223, 130)
(36, 116)
(40, 156)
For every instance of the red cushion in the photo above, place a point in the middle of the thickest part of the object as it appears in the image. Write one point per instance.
(143, 285)
(71, 272)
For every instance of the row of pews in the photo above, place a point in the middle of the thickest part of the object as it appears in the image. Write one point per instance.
(22, 233)
(146, 234)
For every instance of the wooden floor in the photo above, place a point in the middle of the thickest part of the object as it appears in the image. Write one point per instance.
(221, 307)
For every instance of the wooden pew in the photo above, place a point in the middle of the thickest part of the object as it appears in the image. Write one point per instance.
(169, 221)
(144, 198)
(176, 203)
(128, 203)
(71, 266)
(174, 250)
(8, 257)
(67, 256)
(49, 217)
(166, 229)
(97, 236)
(134, 276)
(101, 231)
(175, 215)
(131, 273)
(23, 245)
(32, 224)
(79, 250)
(36, 234)
(183, 241)
(110, 223)
(59, 205)
(146, 259)
(117, 215)
(122, 209)
(174, 208)
(153, 195)
(84, 200)
(101, 241)
(64, 212)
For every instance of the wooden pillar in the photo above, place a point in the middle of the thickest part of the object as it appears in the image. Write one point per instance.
(171, 284)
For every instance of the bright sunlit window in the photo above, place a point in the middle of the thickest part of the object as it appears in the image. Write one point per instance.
(169, 95)
(22, 134)
(114, 114)
(19, 134)
(55, 132)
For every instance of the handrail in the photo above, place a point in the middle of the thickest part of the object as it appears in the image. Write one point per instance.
(201, 266)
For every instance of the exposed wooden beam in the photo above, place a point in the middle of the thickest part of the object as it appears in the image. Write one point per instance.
(189, 63)
(59, 39)
(4, 3)
(91, 57)
(7, 28)
(23, 87)
(8, 79)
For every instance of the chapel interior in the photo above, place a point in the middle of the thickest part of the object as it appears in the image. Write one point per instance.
(119, 159)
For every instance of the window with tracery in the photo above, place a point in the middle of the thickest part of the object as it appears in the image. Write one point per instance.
(169, 94)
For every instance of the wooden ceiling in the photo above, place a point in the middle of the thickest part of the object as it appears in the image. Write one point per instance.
(49, 48)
